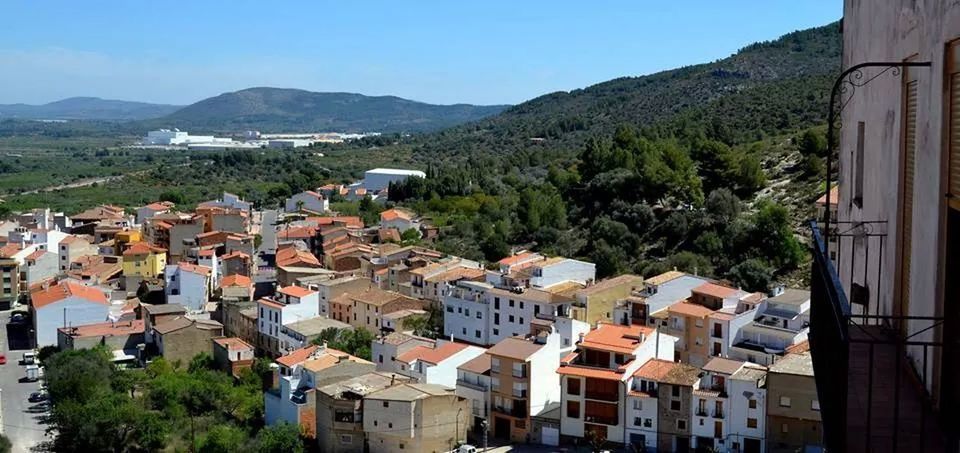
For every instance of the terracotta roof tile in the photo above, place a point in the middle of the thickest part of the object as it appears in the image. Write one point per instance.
(432, 355)
(615, 338)
(64, 290)
(296, 291)
(236, 280)
(654, 369)
(715, 290)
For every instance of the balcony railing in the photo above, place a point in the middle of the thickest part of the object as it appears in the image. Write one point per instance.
(872, 363)
(518, 411)
(473, 385)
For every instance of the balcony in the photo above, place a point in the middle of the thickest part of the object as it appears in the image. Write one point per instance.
(517, 411)
(602, 396)
(472, 385)
(872, 366)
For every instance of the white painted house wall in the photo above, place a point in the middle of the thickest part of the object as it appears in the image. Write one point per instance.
(445, 372)
(310, 203)
(544, 380)
(70, 311)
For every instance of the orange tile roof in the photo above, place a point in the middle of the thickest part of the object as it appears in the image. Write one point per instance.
(9, 250)
(64, 290)
(715, 290)
(142, 248)
(654, 369)
(834, 197)
(159, 205)
(394, 214)
(271, 303)
(233, 344)
(235, 254)
(690, 309)
(511, 260)
(300, 232)
(297, 356)
(615, 338)
(479, 364)
(296, 291)
(664, 277)
(195, 268)
(236, 280)
(432, 355)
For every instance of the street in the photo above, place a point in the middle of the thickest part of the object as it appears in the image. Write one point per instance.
(21, 422)
(265, 273)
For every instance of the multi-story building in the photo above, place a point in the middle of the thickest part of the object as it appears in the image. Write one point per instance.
(778, 323)
(12, 260)
(367, 308)
(146, 212)
(747, 418)
(297, 375)
(179, 340)
(340, 411)
(595, 378)
(415, 417)
(595, 303)
(329, 289)
(473, 383)
(386, 349)
(641, 404)
(39, 267)
(885, 321)
(436, 364)
(690, 321)
(66, 304)
(142, 260)
(523, 381)
(793, 407)
(646, 305)
(189, 285)
(712, 404)
(675, 408)
(291, 304)
(72, 248)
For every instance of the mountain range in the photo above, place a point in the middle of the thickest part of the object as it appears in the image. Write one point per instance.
(87, 108)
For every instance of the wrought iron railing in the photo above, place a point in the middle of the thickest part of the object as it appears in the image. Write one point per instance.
(856, 335)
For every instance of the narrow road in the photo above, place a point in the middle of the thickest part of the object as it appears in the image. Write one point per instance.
(21, 418)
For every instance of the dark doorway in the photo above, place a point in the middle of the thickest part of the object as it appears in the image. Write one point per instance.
(683, 444)
(751, 445)
(501, 428)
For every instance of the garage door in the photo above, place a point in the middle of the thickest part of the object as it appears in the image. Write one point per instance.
(550, 436)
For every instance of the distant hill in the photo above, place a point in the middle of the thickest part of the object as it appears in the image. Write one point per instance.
(764, 89)
(87, 108)
(290, 110)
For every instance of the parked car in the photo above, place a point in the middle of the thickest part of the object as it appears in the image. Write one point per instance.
(3, 359)
(29, 358)
(18, 318)
(37, 397)
(33, 373)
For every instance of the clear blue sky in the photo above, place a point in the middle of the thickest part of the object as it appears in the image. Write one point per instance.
(447, 51)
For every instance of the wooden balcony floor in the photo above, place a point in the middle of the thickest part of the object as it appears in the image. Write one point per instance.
(917, 428)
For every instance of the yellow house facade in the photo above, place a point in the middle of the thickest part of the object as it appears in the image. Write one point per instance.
(144, 260)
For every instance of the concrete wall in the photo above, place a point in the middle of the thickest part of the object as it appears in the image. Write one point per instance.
(894, 31)
(567, 270)
(740, 411)
(645, 409)
(445, 373)
(186, 343)
(79, 312)
(803, 423)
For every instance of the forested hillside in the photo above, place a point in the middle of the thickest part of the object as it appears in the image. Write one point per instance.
(706, 168)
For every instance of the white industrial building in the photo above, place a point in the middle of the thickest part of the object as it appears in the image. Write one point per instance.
(380, 178)
(173, 137)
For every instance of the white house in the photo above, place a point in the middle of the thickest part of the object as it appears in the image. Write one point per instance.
(710, 421)
(641, 406)
(748, 409)
(152, 209)
(473, 383)
(386, 349)
(64, 305)
(400, 219)
(188, 284)
(437, 364)
(40, 265)
(780, 322)
(291, 304)
(307, 201)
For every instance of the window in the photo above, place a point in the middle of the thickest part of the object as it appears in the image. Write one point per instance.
(346, 439)
(675, 391)
(375, 423)
(815, 405)
(521, 320)
(511, 302)
(464, 329)
(573, 409)
(784, 401)
(784, 428)
(466, 312)
(459, 310)
(476, 333)
(674, 405)
(521, 305)
(479, 315)
(682, 425)
(648, 423)
(449, 309)
(496, 303)
(573, 386)
(389, 425)
(637, 405)
(495, 364)
(401, 445)
(386, 404)
(752, 403)
(380, 359)
(496, 331)
(858, 165)
(637, 421)
(510, 319)
(751, 423)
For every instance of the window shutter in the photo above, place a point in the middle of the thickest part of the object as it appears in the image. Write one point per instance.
(953, 177)
(906, 195)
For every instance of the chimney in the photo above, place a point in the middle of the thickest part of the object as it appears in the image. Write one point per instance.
(393, 378)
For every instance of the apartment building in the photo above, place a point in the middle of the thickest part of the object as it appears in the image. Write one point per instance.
(386, 349)
(641, 404)
(778, 323)
(329, 289)
(689, 320)
(340, 411)
(12, 260)
(596, 302)
(523, 382)
(711, 404)
(594, 378)
(72, 248)
(291, 304)
(748, 409)
(415, 417)
(438, 363)
(653, 297)
(793, 407)
(675, 408)
(473, 383)
(367, 308)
